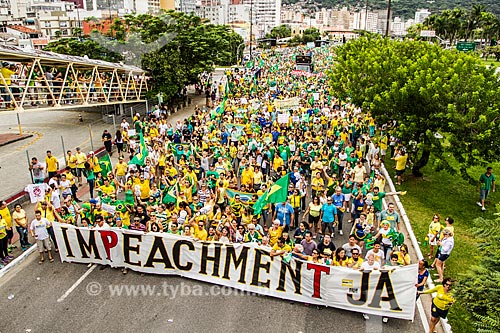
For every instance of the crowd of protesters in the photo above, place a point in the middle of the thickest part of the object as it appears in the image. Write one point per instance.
(202, 176)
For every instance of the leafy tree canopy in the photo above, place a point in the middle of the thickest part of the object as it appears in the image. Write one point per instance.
(427, 90)
(174, 47)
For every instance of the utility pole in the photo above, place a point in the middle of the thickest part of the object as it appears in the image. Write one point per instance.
(251, 27)
(388, 23)
(366, 15)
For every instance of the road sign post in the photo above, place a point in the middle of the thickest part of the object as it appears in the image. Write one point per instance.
(466, 47)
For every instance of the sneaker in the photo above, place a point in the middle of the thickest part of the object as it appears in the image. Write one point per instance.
(385, 319)
(332, 235)
(9, 257)
(341, 233)
(483, 209)
(479, 204)
(366, 316)
(9, 249)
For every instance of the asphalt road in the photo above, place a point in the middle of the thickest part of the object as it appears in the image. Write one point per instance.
(29, 296)
(61, 297)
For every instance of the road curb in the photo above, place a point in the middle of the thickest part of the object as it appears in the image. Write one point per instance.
(17, 260)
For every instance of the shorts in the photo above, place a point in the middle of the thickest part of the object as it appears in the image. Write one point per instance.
(443, 257)
(400, 172)
(80, 172)
(483, 194)
(43, 244)
(347, 197)
(437, 312)
(383, 152)
(10, 233)
(431, 236)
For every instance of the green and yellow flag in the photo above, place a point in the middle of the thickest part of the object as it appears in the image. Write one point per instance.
(277, 193)
(140, 157)
(106, 166)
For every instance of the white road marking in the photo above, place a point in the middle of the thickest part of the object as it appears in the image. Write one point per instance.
(76, 284)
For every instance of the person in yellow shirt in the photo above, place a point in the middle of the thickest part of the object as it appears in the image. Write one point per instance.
(144, 188)
(5, 213)
(317, 184)
(81, 158)
(71, 161)
(441, 303)
(383, 143)
(400, 157)
(107, 188)
(52, 164)
(280, 248)
(247, 176)
(198, 229)
(275, 232)
(120, 171)
(277, 162)
(93, 160)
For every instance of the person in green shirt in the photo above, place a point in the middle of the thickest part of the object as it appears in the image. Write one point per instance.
(486, 184)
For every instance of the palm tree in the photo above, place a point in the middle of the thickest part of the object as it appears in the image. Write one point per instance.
(474, 20)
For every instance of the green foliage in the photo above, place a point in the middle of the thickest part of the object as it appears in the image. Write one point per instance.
(487, 324)
(175, 47)
(479, 285)
(83, 47)
(427, 90)
(281, 31)
(405, 8)
(461, 24)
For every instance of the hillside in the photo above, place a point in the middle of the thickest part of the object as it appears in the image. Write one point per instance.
(407, 8)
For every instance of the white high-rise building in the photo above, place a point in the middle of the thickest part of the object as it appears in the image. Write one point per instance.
(365, 20)
(421, 15)
(398, 27)
(265, 15)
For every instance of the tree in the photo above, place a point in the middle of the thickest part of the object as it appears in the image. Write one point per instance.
(83, 47)
(478, 286)
(427, 90)
(174, 47)
(310, 35)
(281, 31)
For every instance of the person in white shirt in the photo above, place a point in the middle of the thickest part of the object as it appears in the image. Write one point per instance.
(370, 264)
(377, 253)
(38, 228)
(65, 186)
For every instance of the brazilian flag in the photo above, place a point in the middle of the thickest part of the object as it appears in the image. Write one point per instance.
(106, 167)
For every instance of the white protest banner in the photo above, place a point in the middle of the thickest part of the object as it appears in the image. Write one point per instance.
(246, 267)
(131, 132)
(283, 118)
(36, 192)
(108, 208)
(287, 104)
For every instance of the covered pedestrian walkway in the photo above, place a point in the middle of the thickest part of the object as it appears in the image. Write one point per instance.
(36, 79)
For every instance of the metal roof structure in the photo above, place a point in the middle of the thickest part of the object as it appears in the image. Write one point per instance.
(36, 79)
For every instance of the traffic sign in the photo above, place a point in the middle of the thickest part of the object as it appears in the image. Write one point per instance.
(427, 33)
(466, 47)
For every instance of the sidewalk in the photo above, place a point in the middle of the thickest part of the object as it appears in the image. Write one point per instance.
(83, 192)
(7, 138)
